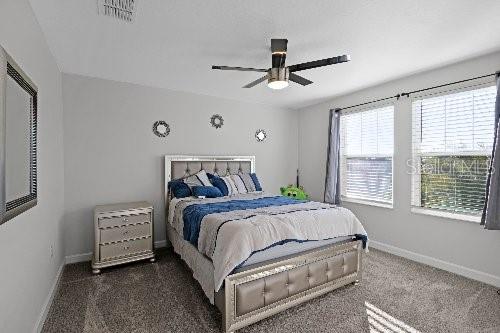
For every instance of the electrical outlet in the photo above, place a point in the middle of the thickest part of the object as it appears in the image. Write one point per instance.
(51, 250)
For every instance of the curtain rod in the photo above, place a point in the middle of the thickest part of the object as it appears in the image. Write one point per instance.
(451, 83)
(407, 94)
(361, 104)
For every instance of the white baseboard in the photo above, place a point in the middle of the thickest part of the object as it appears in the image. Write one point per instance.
(441, 264)
(74, 258)
(48, 301)
(71, 259)
(162, 243)
(81, 257)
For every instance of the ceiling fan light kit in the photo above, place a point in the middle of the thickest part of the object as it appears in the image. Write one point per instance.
(279, 75)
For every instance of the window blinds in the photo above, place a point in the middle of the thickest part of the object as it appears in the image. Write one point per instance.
(366, 148)
(452, 143)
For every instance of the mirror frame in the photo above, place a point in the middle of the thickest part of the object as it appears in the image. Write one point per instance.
(157, 132)
(257, 135)
(8, 67)
(217, 121)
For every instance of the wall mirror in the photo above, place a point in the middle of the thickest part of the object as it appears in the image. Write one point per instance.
(260, 135)
(18, 134)
(217, 121)
(161, 129)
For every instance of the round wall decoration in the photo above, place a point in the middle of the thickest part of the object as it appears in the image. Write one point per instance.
(217, 121)
(161, 128)
(260, 135)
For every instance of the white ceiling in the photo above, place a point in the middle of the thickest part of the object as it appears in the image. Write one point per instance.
(172, 44)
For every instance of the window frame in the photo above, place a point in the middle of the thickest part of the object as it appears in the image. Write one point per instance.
(416, 180)
(343, 157)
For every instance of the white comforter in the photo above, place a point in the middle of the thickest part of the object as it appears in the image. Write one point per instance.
(230, 238)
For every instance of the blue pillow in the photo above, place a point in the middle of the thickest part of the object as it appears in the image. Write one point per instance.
(206, 191)
(256, 182)
(220, 184)
(179, 189)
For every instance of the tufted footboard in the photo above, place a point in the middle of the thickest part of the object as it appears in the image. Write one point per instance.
(258, 293)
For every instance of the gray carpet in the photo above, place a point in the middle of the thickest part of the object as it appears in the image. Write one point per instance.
(396, 295)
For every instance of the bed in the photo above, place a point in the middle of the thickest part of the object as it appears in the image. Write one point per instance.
(263, 254)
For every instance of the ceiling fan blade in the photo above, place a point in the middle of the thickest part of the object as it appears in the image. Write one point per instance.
(256, 82)
(319, 63)
(279, 45)
(299, 79)
(241, 69)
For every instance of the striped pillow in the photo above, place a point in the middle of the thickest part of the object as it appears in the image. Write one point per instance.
(231, 186)
(198, 179)
(248, 181)
(240, 185)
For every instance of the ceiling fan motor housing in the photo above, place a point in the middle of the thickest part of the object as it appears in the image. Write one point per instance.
(278, 59)
(278, 74)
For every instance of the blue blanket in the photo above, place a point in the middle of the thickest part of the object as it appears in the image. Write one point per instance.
(194, 214)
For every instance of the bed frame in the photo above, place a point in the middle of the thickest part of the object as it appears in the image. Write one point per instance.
(263, 290)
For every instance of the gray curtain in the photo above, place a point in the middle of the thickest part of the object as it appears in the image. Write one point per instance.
(332, 179)
(491, 211)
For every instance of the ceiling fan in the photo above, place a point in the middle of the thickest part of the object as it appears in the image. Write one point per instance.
(278, 75)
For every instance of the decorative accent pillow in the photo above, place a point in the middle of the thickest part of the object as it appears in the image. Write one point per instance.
(198, 179)
(248, 181)
(256, 182)
(220, 184)
(231, 187)
(239, 183)
(179, 189)
(206, 191)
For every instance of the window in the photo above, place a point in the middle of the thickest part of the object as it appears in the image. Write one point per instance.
(452, 144)
(366, 148)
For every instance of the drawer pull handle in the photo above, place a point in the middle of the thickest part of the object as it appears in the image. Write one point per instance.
(125, 232)
(126, 247)
(125, 220)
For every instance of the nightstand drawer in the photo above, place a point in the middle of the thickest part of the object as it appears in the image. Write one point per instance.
(108, 222)
(126, 232)
(112, 251)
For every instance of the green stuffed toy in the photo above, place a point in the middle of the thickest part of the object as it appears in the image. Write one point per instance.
(294, 192)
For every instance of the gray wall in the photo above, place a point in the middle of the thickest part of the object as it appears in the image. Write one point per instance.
(111, 154)
(27, 269)
(457, 242)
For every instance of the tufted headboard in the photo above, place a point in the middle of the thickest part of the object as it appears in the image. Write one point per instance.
(180, 166)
